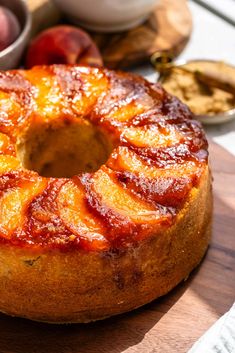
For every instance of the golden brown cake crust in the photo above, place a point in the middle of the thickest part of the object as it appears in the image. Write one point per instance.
(130, 225)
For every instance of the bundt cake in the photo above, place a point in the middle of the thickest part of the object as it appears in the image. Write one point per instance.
(105, 193)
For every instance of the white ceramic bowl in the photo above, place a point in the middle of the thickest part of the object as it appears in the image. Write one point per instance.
(107, 15)
(10, 57)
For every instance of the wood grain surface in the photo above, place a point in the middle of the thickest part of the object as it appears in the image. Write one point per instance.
(167, 29)
(170, 324)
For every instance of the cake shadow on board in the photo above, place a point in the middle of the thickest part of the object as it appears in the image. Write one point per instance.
(217, 288)
(111, 335)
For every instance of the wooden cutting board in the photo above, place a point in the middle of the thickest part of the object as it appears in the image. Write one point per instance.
(171, 324)
(167, 29)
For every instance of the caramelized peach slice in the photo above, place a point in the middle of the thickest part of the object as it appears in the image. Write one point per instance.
(167, 186)
(8, 163)
(48, 98)
(58, 89)
(113, 196)
(151, 136)
(76, 217)
(125, 98)
(10, 111)
(13, 203)
(127, 160)
(128, 108)
(6, 147)
(82, 87)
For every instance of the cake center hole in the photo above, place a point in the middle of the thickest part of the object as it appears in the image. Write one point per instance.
(64, 150)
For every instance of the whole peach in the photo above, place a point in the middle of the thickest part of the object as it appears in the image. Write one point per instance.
(63, 45)
(9, 27)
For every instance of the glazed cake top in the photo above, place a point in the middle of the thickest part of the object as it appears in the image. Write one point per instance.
(154, 154)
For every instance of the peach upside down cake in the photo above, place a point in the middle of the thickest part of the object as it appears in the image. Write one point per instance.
(105, 193)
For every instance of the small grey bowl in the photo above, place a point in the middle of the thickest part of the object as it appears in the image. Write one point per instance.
(10, 57)
(206, 119)
(218, 118)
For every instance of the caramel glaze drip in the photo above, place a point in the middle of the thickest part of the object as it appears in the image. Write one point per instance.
(127, 104)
